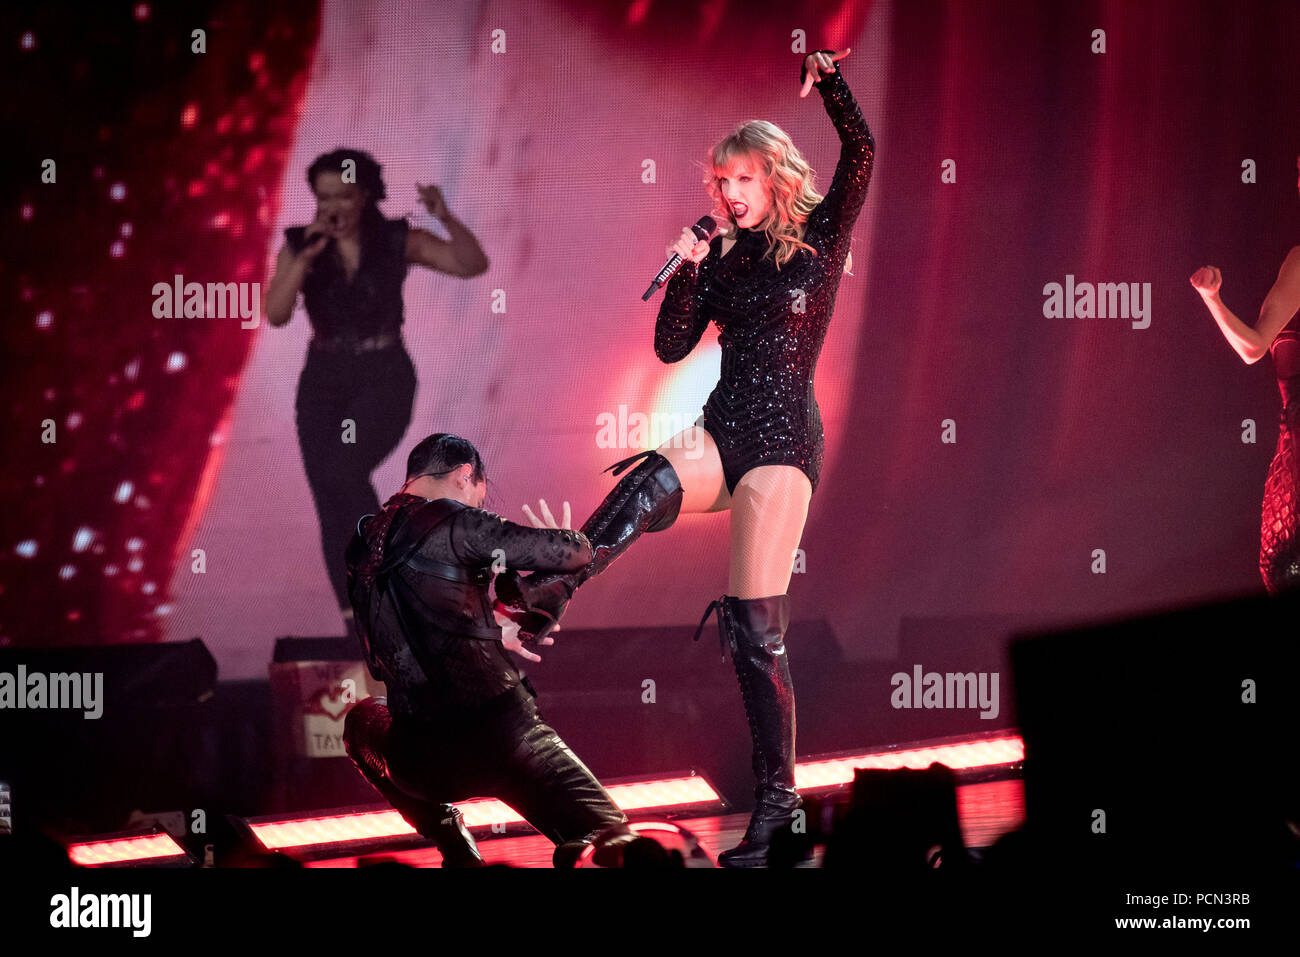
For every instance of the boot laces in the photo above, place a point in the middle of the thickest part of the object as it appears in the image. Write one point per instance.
(724, 633)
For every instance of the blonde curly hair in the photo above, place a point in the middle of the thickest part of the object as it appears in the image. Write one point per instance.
(771, 151)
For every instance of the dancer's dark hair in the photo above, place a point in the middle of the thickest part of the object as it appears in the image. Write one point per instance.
(442, 453)
(439, 454)
(369, 177)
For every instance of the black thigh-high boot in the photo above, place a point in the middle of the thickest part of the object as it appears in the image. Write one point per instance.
(755, 629)
(647, 499)
(365, 738)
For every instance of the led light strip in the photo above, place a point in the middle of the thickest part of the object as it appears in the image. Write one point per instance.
(122, 850)
(960, 756)
(370, 825)
(302, 832)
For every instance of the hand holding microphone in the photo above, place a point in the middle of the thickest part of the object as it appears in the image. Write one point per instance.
(688, 246)
(692, 245)
(323, 228)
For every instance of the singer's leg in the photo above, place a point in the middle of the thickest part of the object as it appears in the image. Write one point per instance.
(768, 514)
(695, 459)
(767, 519)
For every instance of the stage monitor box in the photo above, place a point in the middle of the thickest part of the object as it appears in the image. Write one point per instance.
(1165, 741)
(314, 683)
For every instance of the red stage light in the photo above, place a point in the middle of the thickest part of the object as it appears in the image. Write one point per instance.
(334, 829)
(959, 755)
(126, 850)
(673, 792)
(303, 832)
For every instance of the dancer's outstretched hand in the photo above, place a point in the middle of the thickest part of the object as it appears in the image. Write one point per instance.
(550, 519)
(818, 64)
(516, 645)
(513, 641)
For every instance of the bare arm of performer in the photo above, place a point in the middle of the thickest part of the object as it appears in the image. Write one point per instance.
(459, 256)
(1279, 306)
(291, 271)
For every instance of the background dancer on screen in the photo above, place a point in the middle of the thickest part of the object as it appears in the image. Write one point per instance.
(770, 287)
(1277, 334)
(350, 264)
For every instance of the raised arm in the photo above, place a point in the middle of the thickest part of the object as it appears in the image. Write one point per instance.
(479, 538)
(1281, 303)
(838, 211)
(460, 256)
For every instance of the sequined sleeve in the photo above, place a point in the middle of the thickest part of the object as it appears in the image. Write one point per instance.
(478, 538)
(682, 315)
(838, 211)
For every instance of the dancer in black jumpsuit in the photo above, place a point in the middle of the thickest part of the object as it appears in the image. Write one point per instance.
(770, 287)
(459, 720)
(349, 266)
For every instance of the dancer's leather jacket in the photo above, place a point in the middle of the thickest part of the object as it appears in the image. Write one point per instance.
(418, 579)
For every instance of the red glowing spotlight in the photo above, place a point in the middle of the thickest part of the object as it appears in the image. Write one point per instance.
(152, 848)
(371, 824)
(996, 750)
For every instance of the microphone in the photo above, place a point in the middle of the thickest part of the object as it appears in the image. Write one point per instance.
(332, 220)
(705, 230)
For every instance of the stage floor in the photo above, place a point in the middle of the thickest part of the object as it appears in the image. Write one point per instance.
(986, 811)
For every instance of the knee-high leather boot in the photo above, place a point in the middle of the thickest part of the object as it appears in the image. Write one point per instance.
(647, 499)
(755, 630)
(365, 739)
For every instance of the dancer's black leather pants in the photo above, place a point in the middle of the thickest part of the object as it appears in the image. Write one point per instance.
(507, 752)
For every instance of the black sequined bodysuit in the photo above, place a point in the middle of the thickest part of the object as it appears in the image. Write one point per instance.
(1279, 534)
(772, 322)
